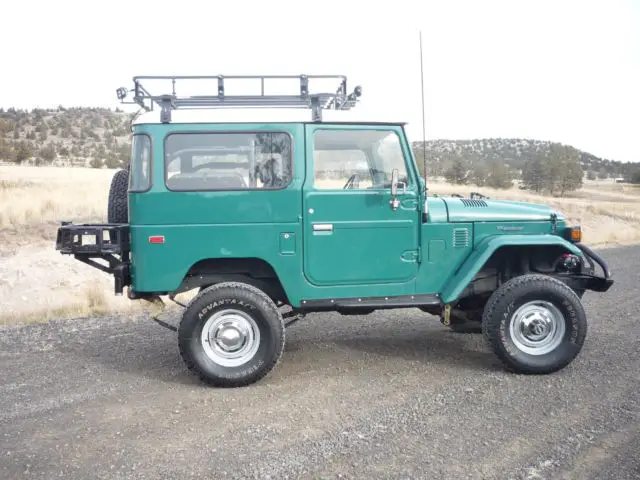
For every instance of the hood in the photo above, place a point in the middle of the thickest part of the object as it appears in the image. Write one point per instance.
(486, 210)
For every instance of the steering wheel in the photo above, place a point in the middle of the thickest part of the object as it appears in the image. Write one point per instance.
(353, 182)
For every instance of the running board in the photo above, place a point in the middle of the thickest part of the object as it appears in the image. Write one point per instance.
(400, 301)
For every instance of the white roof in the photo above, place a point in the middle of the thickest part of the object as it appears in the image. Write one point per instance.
(260, 115)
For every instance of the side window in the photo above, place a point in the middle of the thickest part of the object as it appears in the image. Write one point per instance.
(227, 161)
(140, 173)
(356, 159)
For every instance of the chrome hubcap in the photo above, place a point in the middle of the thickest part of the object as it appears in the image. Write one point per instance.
(537, 327)
(230, 337)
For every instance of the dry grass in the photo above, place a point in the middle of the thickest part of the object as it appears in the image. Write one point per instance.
(93, 302)
(34, 200)
(37, 283)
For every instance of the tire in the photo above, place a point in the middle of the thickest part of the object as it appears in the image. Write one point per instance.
(117, 210)
(253, 313)
(545, 298)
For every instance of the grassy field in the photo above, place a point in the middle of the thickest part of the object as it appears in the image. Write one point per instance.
(38, 283)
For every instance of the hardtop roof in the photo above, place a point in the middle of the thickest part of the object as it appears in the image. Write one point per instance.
(241, 115)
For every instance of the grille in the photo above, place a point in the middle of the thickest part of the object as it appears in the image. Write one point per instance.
(473, 203)
(460, 237)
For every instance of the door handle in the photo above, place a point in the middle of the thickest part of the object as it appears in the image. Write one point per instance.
(322, 227)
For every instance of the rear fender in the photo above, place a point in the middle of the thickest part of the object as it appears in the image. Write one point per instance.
(486, 248)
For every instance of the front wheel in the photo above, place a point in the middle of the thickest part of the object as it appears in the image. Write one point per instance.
(231, 335)
(534, 324)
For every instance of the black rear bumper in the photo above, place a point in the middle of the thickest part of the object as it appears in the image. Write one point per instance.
(90, 242)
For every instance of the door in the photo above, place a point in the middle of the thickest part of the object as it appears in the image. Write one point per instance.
(354, 231)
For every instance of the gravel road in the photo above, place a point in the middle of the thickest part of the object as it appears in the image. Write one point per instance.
(391, 395)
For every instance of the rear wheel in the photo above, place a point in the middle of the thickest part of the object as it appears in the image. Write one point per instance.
(231, 335)
(535, 324)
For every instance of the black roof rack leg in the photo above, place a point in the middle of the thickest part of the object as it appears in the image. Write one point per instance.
(316, 109)
(165, 114)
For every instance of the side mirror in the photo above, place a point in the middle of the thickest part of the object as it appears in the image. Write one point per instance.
(394, 182)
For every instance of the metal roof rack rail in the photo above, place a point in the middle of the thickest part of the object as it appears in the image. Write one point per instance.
(316, 101)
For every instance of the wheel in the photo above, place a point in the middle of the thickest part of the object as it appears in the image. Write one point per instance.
(534, 324)
(117, 211)
(231, 335)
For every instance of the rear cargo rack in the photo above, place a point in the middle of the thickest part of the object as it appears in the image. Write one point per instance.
(88, 242)
(95, 238)
(211, 97)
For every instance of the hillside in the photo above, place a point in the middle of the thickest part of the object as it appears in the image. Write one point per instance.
(65, 136)
(514, 153)
(99, 137)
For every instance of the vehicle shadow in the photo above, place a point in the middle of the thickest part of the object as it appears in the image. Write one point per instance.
(432, 347)
(144, 348)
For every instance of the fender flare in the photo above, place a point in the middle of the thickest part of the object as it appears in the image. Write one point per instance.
(486, 248)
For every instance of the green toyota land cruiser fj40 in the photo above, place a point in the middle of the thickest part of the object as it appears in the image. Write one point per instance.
(271, 213)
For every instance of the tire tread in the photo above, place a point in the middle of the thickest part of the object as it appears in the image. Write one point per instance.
(117, 210)
(259, 297)
(491, 324)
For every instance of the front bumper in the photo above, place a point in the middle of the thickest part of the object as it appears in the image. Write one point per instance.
(588, 278)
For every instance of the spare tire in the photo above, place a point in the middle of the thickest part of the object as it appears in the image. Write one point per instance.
(117, 211)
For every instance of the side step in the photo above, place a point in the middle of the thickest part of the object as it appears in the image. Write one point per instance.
(399, 301)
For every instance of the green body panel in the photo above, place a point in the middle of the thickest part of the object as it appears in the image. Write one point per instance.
(496, 211)
(483, 251)
(213, 224)
(443, 253)
(370, 250)
(436, 210)
(482, 230)
(369, 243)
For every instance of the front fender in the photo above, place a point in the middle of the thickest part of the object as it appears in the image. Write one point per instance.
(483, 251)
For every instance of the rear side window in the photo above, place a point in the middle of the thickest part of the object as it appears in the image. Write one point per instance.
(228, 161)
(140, 174)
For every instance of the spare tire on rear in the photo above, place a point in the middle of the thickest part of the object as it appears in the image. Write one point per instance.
(117, 211)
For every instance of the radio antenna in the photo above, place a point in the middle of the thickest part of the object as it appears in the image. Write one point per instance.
(424, 140)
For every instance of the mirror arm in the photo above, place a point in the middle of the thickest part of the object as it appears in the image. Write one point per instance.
(394, 202)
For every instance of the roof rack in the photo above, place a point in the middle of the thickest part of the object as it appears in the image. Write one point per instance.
(316, 101)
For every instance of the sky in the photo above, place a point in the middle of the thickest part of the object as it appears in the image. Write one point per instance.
(563, 70)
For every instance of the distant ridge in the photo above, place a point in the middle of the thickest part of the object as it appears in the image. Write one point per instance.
(92, 136)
